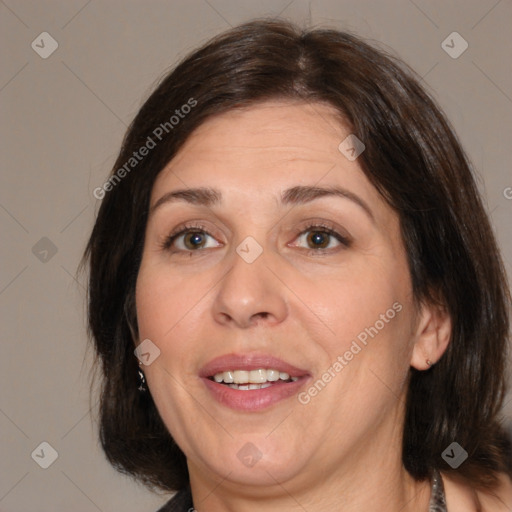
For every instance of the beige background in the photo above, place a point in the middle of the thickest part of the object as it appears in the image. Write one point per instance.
(62, 120)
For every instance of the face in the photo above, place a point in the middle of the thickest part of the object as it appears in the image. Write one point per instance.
(270, 257)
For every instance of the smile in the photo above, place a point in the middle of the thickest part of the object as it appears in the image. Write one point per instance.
(254, 379)
(251, 382)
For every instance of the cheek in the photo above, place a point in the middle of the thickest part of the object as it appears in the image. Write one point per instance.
(149, 300)
(353, 301)
(368, 316)
(163, 302)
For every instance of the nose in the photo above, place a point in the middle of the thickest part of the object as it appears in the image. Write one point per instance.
(250, 294)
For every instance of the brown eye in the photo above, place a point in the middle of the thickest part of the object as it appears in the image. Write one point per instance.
(318, 239)
(321, 238)
(194, 239)
(189, 239)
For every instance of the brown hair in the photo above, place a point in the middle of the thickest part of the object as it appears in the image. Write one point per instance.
(415, 161)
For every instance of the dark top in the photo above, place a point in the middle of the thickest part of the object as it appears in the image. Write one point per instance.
(180, 502)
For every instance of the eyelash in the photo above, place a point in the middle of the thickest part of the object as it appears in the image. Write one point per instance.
(324, 229)
(199, 228)
(181, 230)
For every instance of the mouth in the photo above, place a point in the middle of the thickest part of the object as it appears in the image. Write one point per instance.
(245, 380)
(252, 382)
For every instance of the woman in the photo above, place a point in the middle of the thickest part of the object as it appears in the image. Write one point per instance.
(295, 292)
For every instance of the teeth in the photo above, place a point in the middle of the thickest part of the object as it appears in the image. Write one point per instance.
(253, 379)
(227, 377)
(272, 375)
(245, 387)
(257, 376)
(240, 377)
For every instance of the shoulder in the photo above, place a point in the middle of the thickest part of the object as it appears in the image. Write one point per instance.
(461, 497)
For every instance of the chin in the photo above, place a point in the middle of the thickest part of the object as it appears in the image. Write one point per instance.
(257, 462)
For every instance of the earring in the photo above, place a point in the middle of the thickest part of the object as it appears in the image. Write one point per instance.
(142, 382)
(429, 363)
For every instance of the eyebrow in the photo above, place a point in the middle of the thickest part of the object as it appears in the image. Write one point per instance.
(300, 194)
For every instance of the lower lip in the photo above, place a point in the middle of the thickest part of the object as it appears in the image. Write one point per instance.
(253, 399)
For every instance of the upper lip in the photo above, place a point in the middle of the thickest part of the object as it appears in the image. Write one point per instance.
(249, 362)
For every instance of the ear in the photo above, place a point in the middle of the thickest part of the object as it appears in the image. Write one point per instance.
(432, 335)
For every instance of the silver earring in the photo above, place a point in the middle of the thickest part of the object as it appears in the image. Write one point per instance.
(142, 382)
(429, 363)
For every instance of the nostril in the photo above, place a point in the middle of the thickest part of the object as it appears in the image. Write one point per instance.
(263, 315)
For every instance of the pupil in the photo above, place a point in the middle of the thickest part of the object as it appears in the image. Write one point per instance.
(195, 239)
(319, 239)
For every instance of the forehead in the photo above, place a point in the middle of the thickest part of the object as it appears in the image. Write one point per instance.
(263, 149)
(272, 125)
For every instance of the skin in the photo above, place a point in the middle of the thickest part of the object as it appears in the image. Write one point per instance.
(462, 498)
(342, 450)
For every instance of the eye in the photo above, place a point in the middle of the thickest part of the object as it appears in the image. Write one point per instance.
(194, 238)
(188, 239)
(320, 238)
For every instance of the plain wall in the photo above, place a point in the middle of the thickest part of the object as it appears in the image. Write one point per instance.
(62, 121)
